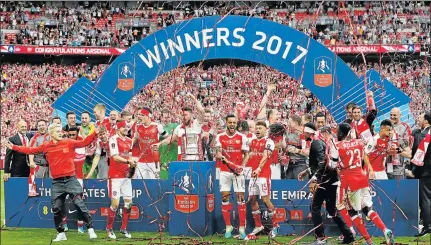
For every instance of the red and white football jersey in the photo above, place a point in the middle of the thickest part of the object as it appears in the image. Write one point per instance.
(232, 148)
(361, 130)
(147, 136)
(250, 137)
(350, 154)
(376, 150)
(207, 127)
(257, 148)
(111, 128)
(120, 146)
(100, 146)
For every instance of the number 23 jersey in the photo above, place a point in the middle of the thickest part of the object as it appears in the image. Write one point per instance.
(350, 154)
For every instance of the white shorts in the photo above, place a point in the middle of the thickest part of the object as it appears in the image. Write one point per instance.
(259, 187)
(381, 175)
(358, 199)
(147, 171)
(121, 187)
(227, 179)
(247, 172)
(275, 171)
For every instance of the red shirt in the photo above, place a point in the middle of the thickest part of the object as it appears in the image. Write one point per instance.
(206, 127)
(350, 154)
(257, 148)
(119, 146)
(111, 129)
(146, 136)
(376, 149)
(60, 156)
(232, 148)
(361, 130)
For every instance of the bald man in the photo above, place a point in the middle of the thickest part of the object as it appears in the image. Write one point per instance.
(17, 164)
(395, 164)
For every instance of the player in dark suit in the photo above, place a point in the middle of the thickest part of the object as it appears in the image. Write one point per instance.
(17, 164)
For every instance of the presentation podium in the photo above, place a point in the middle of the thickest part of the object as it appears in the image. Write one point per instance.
(192, 199)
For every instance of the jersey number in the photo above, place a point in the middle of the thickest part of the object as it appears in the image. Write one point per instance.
(355, 158)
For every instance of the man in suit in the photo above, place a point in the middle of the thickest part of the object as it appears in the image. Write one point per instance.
(17, 164)
(71, 121)
(324, 183)
(422, 170)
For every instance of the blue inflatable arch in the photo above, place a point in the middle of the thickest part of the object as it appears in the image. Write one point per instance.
(232, 37)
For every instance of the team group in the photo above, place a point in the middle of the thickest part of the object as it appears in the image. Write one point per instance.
(341, 161)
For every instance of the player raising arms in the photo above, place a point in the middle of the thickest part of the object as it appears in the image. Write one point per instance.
(232, 150)
(147, 133)
(360, 124)
(118, 184)
(354, 182)
(260, 151)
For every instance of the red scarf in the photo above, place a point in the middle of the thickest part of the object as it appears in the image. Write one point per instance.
(419, 156)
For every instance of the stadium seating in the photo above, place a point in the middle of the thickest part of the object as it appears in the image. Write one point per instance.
(403, 24)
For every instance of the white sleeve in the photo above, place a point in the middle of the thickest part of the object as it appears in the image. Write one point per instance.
(333, 159)
(98, 148)
(270, 146)
(161, 130)
(371, 145)
(244, 145)
(176, 130)
(217, 141)
(113, 147)
(334, 153)
(197, 126)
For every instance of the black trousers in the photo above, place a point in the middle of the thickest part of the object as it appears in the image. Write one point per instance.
(425, 201)
(328, 193)
(61, 187)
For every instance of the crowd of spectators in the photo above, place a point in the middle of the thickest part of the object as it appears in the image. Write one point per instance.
(336, 23)
(412, 77)
(27, 91)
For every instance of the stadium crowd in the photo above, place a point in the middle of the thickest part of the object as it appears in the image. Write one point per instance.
(100, 24)
(212, 86)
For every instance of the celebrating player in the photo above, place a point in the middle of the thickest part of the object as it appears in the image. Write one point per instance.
(354, 182)
(232, 150)
(118, 183)
(260, 184)
(101, 155)
(380, 146)
(147, 133)
(59, 154)
(72, 133)
(189, 136)
(101, 119)
(85, 129)
(362, 125)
